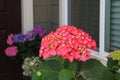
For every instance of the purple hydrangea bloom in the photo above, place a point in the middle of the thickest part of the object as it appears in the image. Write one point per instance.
(30, 35)
(20, 38)
(39, 30)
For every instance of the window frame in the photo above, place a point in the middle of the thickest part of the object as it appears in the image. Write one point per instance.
(27, 15)
(63, 12)
(63, 19)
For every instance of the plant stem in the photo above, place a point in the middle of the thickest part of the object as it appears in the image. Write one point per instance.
(78, 74)
(74, 77)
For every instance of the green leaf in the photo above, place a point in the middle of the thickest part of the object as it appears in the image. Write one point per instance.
(50, 70)
(53, 65)
(94, 70)
(48, 74)
(73, 66)
(117, 76)
(80, 63)
(107, 75)
(65, 74)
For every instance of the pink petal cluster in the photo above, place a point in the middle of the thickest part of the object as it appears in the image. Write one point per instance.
(68, 42)
(10, 39)
(11, 51)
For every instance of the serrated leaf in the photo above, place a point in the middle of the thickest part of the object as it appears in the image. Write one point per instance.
(53, 65)
(107, 75)
(73, 66)
(48, 74)
(95, 70)
(50, 70)
(65, 74)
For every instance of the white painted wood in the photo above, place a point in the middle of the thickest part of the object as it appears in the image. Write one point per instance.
(63, 12)
(102, 29)
(27, 15)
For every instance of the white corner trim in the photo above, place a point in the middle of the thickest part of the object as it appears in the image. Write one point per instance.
(102, 27)
(27, 15)
(63, 12)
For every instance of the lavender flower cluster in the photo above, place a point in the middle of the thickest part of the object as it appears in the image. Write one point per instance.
(30, 35)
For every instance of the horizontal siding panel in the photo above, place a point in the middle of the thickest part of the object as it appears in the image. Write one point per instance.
(114, 48)
(115, 38)
(115, 15)
(116, 3)
(115, 9)
(115, 32)
(115, 27)
(115, 21)
(115, 44)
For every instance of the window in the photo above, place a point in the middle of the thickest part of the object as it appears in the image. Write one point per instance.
(46, 13)
(85, 15)
(106, 27)
(89, 15)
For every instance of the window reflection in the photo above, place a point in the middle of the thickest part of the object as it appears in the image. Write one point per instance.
(46, 13)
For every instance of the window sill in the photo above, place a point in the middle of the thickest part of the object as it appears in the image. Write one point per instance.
(102, 58)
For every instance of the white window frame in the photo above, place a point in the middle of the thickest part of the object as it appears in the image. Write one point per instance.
(27, 15)
(63, 11)
(102, 29)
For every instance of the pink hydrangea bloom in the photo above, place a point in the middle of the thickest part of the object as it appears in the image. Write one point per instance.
(68, 42)
(10, 39)
(11, 51)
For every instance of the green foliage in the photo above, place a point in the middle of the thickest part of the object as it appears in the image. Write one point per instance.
(91, 69)
(65, 74)
(49, 70)
(79, 78)
(107, 75)
(95, 70)
(29, 48)
(112, 64)
(36, 77)
(114, 68)
(117, 76)
(73, 66)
